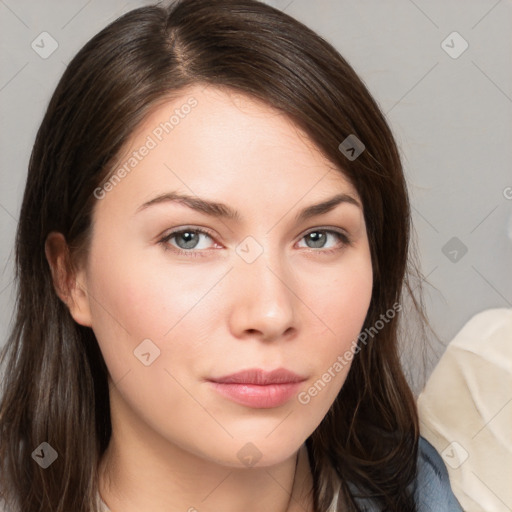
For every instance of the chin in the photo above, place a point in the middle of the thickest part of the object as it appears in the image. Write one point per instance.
(257, 451)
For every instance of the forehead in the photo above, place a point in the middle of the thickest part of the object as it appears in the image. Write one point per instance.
(215, 141)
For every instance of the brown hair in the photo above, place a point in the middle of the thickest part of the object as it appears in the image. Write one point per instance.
(55, 386)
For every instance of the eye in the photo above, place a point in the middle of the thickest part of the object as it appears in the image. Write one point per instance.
(317, 239)
(185, 240)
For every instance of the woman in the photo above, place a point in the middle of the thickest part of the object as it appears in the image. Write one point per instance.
(211, 251)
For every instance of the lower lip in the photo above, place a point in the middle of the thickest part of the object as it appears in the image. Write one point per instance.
(260, 397)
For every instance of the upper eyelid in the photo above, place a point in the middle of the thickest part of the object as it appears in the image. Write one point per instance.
(175, 232)
(325, 228)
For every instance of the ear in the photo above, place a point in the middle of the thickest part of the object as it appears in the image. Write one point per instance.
(69, 284)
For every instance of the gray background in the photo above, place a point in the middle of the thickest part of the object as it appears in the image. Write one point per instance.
(451, 118)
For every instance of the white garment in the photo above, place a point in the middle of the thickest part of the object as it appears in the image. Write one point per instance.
(103, 505)
(466, 412)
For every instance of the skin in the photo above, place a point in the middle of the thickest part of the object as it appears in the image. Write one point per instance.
(175, 439)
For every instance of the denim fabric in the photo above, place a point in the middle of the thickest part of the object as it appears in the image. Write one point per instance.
(432, 489)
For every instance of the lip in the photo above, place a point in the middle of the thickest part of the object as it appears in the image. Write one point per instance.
(257, 388)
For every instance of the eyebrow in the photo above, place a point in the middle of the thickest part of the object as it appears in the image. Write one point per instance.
(222, 210)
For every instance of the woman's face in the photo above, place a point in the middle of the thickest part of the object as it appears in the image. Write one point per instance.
(263, 264)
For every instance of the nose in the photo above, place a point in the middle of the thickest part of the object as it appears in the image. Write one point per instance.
(264, 304)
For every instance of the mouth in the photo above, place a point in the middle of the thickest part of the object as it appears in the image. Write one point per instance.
(257, 388)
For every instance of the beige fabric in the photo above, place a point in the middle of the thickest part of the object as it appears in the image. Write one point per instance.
(466, 412)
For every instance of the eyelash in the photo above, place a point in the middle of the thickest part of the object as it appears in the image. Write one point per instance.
(345, 241)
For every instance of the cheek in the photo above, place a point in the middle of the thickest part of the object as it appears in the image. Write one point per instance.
(133, 300)
(340, 306)
(341, 299)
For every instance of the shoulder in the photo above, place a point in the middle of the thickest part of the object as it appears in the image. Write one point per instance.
(432, 488)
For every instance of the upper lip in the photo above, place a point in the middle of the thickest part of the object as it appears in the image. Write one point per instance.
(260, 377)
